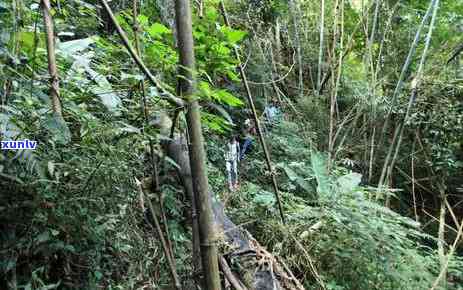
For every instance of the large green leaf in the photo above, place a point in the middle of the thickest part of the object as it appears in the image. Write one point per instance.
(157, 30)
(220, 95)
(223, 112)
(349, 182)
(320, 171)
(264, 198)
(70, 48)
(102, 87)
(233, 35)
(58, 129)
(227, 98)
(294, 177)
(8, 129)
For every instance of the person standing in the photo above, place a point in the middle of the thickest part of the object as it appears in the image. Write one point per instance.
(248, 131)
(231, 161)
(272, 113)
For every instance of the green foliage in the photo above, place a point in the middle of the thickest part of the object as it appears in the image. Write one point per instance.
(338, 225)
(321, 173)
(69, 214)
(233, 36)
(157, 30)
(218, 95)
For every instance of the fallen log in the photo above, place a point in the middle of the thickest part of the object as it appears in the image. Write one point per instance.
(251, 266)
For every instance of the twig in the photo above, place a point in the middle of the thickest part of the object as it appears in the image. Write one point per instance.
(89, 178)
(286, 268)
(170, 260)
(311, 264)
(280, 79)
(436, 220)
(452, 213)
(171, 98)
(449, 255)
(227, 272)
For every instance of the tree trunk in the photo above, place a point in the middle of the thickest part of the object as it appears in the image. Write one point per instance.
(52, 70)
(196, 146)
(294, 15)
(174, 150)
(320, 51)
(277, 53)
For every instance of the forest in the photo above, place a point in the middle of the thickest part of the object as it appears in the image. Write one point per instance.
(231, 144)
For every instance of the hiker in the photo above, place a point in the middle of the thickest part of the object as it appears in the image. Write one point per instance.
(231, 162)
(248, 131)
(271, 113)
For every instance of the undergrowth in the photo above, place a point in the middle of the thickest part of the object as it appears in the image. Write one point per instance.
(337, 235)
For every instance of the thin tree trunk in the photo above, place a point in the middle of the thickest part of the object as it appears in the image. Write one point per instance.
(415, 84)
(370, 72)
(196, 146)
(235, 282)
(256, 120)
(336, 82)
(185, 173)
(444, 267)
(384, 37)
(52, 69)
(441, 234)
(320, 51)
(277, 53)
(415, 210)
(377, 67)
(172, 267)
(398, 89)
(294, 15)
(372, 153)
(348, 49)
(388, 157)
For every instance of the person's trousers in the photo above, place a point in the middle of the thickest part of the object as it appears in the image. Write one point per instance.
(247, 143)
(232, 171)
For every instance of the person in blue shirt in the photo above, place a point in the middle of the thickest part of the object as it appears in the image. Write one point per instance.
(248, 131)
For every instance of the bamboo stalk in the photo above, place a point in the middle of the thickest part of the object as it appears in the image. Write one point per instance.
(52, 69)
(320, 51)
(398, 90)
(336, 82)
(197, 154)
(256, 119)
(443, 258)
(415, 83)
(413, 181)
(294, 9)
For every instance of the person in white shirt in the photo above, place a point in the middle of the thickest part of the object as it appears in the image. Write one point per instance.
(231, 161)
(272, 113)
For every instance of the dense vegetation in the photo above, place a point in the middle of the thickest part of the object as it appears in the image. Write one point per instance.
(366, 159)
